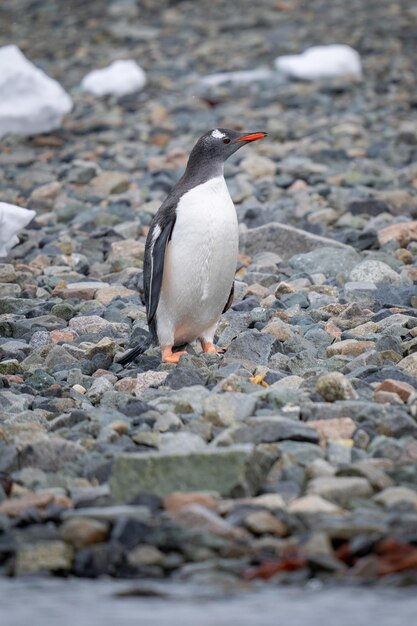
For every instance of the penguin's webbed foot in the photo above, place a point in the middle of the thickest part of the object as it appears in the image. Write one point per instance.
(171, 357)
(208, 346)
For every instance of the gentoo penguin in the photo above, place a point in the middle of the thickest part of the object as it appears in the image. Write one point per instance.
(191, 250)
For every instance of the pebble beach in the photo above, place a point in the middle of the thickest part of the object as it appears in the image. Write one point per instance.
(292, 457)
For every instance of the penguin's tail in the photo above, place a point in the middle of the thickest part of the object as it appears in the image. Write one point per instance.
(143, 345)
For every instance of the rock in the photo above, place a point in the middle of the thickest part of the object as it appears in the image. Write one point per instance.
(12, 403)
(12, 219)
(362, 291)
(321, 62)
(270, 429)
(111, 182)
(88, 324)
(111, 513)
(104, 346)
(102, 559)
(403, 233)
(257, 166)
(177, 500)
(172, 443)
(226, 408)
(49, 556)
(340, 489)
(40, 380)
(7, 272)
(108, 294)
(99, 387)
(30, 101)
(392, 496)
(10, 366)
(336, 428)
(335, 386)
(206, 520)
(181, 377)
(50, 454)
(9, 290)
(16, 507)
(278, 329)
(126, 249)
(118, 79)
(59, 357)
(313, 505)
(409, 365)
(144, 555)
(240, 77)
(370, 206)
(251, 346)
(44, 197)
(238, 470)
(330, 261)
(148, 379)
(265, 523)
(402, 389)
(81, 532)
(375, 272)
(349, 347)
(284, 240)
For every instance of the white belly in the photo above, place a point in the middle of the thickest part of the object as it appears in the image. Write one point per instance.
(200, 264)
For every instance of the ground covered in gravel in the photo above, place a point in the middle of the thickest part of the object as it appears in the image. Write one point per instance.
(292, 455)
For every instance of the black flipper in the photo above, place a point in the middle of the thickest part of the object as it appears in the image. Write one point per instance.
(230, 298)
(156, 244)
(143, 345)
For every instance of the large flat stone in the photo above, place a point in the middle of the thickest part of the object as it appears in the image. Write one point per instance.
(271, 429)
(234, 471)
(284, 240)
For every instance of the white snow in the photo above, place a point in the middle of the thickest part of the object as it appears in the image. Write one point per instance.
(30, 101)
(321, 62)
(244, 76)
(119, 79)
(12, 220)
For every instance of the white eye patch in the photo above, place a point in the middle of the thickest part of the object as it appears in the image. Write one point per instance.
(217, 134)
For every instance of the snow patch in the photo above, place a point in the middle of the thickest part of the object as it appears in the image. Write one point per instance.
(12, 220)
(30, 101)
(118, 79)
(321, 62)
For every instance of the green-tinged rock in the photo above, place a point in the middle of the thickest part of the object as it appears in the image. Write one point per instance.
(335, 386)
(10, 366)
(51, 556)
(340, 489)
(234, 471)
(40, 380)
(63, 310)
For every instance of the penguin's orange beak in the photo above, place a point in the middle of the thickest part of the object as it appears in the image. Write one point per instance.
(252, 137)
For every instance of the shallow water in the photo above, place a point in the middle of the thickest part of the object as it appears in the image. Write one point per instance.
(89, 603)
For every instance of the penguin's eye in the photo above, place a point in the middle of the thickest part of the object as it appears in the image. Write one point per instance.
(226, 140)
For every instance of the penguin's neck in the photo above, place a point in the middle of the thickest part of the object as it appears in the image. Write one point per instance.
(200, 170)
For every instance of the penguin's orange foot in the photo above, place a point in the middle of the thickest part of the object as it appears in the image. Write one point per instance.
(208, 346)
(171, 357)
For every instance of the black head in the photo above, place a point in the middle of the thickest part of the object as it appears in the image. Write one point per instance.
(215, 147)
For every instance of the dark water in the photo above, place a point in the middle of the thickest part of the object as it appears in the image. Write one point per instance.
(39, 602)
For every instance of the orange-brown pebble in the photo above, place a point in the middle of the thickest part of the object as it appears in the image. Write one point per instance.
(62, 335)
(404, 390)
(175, 501)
